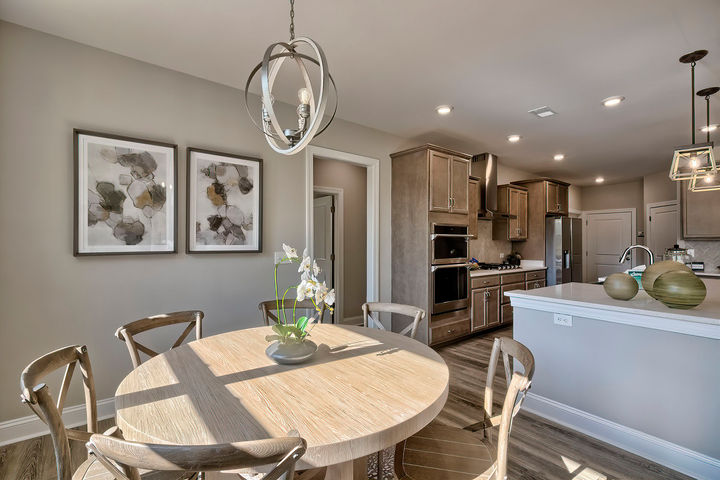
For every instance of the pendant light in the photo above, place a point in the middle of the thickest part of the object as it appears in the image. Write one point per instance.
(706, 181)
(310, 110)
(696, 160)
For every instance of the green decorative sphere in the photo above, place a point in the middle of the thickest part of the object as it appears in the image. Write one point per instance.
(653, 271)
(621, 286)
(680, 289)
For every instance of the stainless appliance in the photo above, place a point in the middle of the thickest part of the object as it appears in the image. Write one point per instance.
(484, 167)
(449, 244)
(563, 250)
(449, 287)
(497, 266)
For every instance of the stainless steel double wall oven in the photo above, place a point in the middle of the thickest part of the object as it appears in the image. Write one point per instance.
(449, 247)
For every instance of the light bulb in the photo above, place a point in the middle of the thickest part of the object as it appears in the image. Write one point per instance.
(559, 157)
(599, 180)
(708, 179)
(304, 96)
(693, 162)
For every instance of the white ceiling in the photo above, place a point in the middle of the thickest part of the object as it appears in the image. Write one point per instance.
(394, 61)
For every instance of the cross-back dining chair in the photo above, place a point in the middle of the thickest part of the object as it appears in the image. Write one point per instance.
(125, 460)
(127, 333)
(372, 319)
(270, 312)
(440, 451)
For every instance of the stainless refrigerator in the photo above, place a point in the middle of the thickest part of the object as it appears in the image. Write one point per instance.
(563, 250)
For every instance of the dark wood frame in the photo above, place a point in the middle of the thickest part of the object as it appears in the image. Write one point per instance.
(76, 168)
(258, 221)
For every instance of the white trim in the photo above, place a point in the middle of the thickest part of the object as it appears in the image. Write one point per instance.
(667, 203)
(633, 234)
(19, 429)
(623, 315)
(666, 453)
(339, 246)
(373, 209)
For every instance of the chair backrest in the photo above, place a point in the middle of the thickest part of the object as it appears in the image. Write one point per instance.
(126, 333)
(270, 309)
(36, 395)
(518, 383)
(123, 458)
(417, 314)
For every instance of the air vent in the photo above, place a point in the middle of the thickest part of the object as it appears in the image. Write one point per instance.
(542, 112)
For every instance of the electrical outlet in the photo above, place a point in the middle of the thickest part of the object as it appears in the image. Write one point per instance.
(562, 320)
(279, 258)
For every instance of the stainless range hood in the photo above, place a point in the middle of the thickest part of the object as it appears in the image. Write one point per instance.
(484, 167)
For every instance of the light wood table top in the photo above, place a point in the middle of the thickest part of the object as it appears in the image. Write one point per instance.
(364, 390)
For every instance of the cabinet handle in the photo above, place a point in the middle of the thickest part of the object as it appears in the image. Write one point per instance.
(536, 285)
(451, 330)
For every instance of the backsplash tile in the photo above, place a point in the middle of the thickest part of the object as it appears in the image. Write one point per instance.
(707, 251)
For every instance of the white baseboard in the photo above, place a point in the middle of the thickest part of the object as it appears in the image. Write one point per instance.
(31, 426)
(661, 451)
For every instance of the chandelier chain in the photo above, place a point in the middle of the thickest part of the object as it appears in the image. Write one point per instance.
(292, 20)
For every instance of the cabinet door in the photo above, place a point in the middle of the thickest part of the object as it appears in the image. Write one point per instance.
(700, 214)
(473, 206)
(522, 215)
(479, 304)
(493, 306)
(533, 284)
(439, 182)
(513, 224)
(460, 171)
(552, 197)
(563, 200)
(506, 313)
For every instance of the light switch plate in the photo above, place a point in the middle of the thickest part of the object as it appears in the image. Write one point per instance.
(562, 320)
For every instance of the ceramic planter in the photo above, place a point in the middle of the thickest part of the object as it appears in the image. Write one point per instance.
(291, 353)
(680, 289)
(621, 286)
(655, 270)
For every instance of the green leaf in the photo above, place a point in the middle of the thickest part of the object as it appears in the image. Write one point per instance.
(282, 330)
(302, 323)
(272, 338)
(292, 329)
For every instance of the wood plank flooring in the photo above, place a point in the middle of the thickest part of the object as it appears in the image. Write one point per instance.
(539, 450)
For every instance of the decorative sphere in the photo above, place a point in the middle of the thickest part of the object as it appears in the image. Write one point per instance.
(653, 271)
(621, 286)
(680, 289)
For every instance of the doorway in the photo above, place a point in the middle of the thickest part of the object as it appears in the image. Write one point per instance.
(661, 226)
(328, 207)
(607, 234)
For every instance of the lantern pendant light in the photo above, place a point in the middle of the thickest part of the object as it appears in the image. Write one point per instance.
(706, 181)
(696, 160)
(310, 110)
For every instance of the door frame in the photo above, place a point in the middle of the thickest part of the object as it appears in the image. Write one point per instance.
(338, 245)
(666, 203)
(633, 232)
(373, 209)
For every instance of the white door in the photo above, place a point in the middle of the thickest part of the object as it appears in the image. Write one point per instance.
(608, 235)
(662, 227)
(323, 238)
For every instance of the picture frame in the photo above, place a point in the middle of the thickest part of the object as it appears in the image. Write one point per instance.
(125, 195)
(224, 202)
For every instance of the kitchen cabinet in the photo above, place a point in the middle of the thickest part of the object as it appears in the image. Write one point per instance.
(512, 221)
(700, 213)
(445, 332)
(449, 185)
(473, 206)
(485, 307)
(533, 284)
(556, 195)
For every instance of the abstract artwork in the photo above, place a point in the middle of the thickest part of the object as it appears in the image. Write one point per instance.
(224, 202)
(124, 195)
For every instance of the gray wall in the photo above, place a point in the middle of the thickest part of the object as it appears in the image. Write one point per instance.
(50, 299)
(617, 195)
(353, 180)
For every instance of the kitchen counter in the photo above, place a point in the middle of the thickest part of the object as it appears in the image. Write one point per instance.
(620, 370)
(484, 273)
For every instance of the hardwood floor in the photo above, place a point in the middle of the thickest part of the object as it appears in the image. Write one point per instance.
(539, 450)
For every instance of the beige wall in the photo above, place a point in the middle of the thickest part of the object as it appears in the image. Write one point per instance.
(353, 180)
(50, 299)
(618, 195)
(658, 187)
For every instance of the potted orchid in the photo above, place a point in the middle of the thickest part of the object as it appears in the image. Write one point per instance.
(290, 343)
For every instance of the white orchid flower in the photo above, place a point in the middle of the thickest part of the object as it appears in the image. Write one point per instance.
(304, 265)
(304, 290)
(316, 269)
(290, 252)
(321, 292)
(330, 297)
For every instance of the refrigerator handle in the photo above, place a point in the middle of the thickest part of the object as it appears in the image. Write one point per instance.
(566, 259)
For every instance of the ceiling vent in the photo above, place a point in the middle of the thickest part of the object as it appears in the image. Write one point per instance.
(542, 112)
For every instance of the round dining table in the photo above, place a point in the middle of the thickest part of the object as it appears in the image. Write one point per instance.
(364, 390)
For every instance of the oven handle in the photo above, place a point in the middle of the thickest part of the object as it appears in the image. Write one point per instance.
(433, 236)
(451, 265)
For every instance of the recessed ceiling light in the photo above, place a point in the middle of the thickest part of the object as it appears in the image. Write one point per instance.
(559, 157)
(599, 180)
(709, 128)
(514, 138)
(542, 112)
(443, 109)
(613, 101)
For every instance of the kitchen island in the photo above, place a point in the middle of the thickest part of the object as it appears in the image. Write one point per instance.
(635, 373)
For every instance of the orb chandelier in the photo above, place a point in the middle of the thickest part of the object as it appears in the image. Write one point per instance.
(695, 161)
(310, 110)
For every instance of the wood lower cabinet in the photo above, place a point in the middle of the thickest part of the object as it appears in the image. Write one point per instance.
(533, 284)
(485, 307)
(506, 313)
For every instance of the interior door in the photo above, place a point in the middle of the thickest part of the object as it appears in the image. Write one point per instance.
(439, 182)
(460, 172)
(608, 235)
(662, 229)
(323, 241)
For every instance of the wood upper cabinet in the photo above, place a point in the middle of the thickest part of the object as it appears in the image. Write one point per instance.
(512, 209)
(556, 198)
(700, 213)
(473, 207)
(449, 176)
(564, 199)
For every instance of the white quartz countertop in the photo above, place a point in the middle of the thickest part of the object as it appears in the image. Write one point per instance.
(485, 273)
(591, 301)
